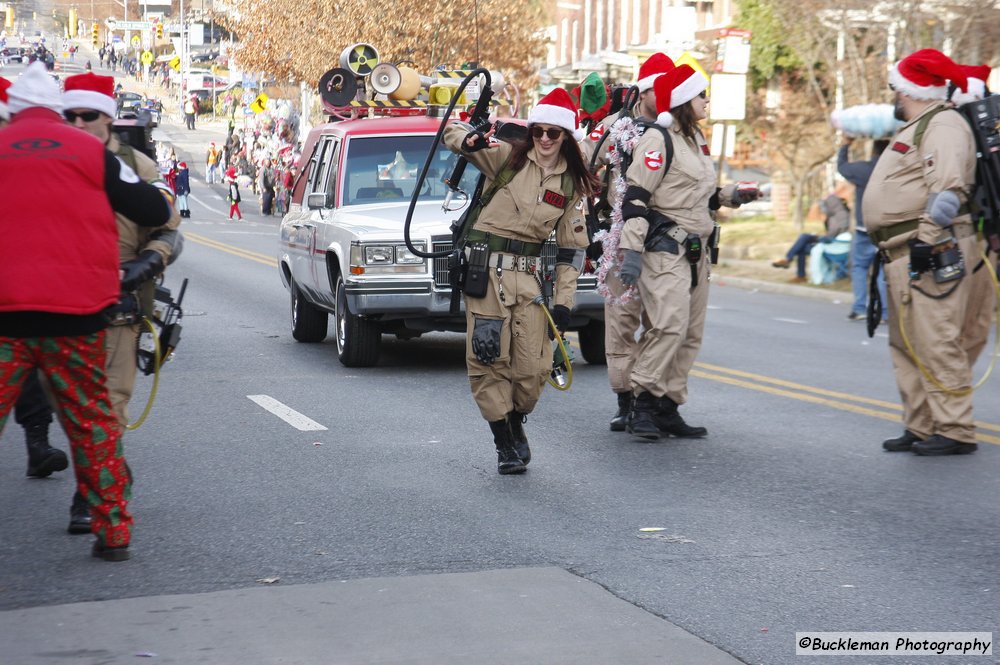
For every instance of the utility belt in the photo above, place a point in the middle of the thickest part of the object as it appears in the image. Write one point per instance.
(497, 243)
(665, 235)
(960, 230)
(509, 261)
(893, 230)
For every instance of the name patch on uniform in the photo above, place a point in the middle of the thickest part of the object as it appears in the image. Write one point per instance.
(654, 160)
(900, 147)
(553, 199)
(704, 149)
(596, 134)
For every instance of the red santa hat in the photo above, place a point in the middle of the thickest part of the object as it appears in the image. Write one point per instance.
(924, 75)
(4, 111)
(676, 87)
(655, 66)
(90, 91)
(976, 77)
(556, 108)
(231, 173)
(182, 165)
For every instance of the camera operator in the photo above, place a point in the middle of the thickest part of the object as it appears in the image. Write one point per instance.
(58, 277)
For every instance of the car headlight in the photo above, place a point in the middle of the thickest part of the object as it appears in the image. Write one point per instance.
(378, 254)
(406, 257)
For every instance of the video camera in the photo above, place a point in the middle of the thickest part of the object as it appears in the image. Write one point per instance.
(136, 132)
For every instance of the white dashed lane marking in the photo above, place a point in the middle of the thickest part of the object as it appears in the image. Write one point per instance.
(796, 321)
(286, 413)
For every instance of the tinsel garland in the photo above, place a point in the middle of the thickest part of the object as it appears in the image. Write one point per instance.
(623, 135)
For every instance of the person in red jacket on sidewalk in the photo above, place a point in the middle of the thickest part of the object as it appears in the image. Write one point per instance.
(61, 188)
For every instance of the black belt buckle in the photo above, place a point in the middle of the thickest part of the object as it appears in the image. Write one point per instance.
(515, 246)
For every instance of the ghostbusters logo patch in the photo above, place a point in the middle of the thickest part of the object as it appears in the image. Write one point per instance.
(597, 133)
(554, 199)
(900, 147)
(929, 162)
(653, 159)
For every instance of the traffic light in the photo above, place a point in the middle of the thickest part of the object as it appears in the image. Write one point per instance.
(95, 31)
(159, 31)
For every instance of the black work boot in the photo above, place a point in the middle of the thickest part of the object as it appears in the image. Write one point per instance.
(937, 444)
(516, 420)
(507, 459)
(43, 459)
(620, 421)
(119, 553)
(79, 515)
(901, 444)
(640, 422)
(670, 422)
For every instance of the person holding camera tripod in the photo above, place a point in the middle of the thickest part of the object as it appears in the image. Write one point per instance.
(916, 208)
(668, 207)
(89, 104)
(540, 185)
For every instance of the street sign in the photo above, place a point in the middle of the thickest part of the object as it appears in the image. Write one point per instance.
(129, 25)
(146, 58)
(136, 41)
(258, 105)
(734, 51)
(686, 58)
(729, 97)
(175, 63)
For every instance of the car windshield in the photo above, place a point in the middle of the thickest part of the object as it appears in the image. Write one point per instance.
(386, 168)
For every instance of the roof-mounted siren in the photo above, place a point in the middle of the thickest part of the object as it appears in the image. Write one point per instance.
(385, 79)
(338, 87)
(360, 59)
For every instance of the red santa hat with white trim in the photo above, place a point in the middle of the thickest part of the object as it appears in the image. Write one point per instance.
(924, 75)
(976, 77)
(676, 88)
(4, 111)
(654, 67)
(90, 91)
(557, 108)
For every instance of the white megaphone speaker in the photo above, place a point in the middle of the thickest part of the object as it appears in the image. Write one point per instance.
(385, 79)
(361, 59)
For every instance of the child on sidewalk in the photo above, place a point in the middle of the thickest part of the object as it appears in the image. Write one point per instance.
(183, 189)
(234, 194)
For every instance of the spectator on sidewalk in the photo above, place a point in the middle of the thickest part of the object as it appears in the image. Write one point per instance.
(838, 220)
(189, 111)
(265, 185)
(212, 157)
(234, 194)
(862, 249)
(183, 189)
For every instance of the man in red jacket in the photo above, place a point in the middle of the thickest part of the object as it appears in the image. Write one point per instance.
(61, 188)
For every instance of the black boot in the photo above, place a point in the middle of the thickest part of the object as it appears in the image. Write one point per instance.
(640, 422)
(516, 420)
(901, 444)
(620, 421)
(670, 422)
(937, 444)
(79, 515)
(507, 459)
(43, 459)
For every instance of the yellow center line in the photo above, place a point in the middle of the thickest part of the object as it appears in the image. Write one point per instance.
(230, 249)
(814, 399)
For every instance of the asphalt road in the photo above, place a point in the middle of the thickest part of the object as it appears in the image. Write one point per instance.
(788, 517)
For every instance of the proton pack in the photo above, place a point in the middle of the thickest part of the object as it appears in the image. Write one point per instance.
(983, 117)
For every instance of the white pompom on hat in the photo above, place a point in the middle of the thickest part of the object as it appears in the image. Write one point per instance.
(4, 111)
(34, 87)
(675, 88)
(556, 108)
(976, 77)
(90, 91)
(654, 67)
(924, 75)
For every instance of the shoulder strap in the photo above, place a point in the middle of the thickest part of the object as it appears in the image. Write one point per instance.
(503, 179)
(918, 136)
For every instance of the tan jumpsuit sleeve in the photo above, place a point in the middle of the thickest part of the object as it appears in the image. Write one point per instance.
(571, 244)
(489, 161)
(644, 174)
(944, 151)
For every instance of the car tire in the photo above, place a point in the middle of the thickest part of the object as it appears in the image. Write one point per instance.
(358, 339)
(592, 342)
(309, 324)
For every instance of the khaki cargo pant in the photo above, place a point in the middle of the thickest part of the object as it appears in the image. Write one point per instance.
(934, 328)
(515, 380)
(982, 303)
(620, 346)
(120, 344)
(674, 320)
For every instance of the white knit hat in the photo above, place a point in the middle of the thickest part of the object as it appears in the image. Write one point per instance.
(4, 111)
(90, 91)
(556, 108)
(35, 87)
(674, 88)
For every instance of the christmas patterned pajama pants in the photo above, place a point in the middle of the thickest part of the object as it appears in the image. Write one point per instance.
(74, 368)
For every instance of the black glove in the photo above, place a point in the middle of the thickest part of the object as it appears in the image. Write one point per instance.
(486, 340)
(148, 265)
(479, 143)
(631, 267)
(560, 316)
(595, 250)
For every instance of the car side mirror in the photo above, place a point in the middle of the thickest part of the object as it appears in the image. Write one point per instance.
(318, 200)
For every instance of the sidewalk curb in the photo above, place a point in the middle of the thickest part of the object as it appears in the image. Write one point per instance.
(836, 297)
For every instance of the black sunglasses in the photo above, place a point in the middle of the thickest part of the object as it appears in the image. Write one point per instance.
(703, 94)
(86, 116)
(552, 132)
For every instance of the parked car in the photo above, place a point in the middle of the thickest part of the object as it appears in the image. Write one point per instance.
(14, 54)
(129, 102)
(341, 249)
